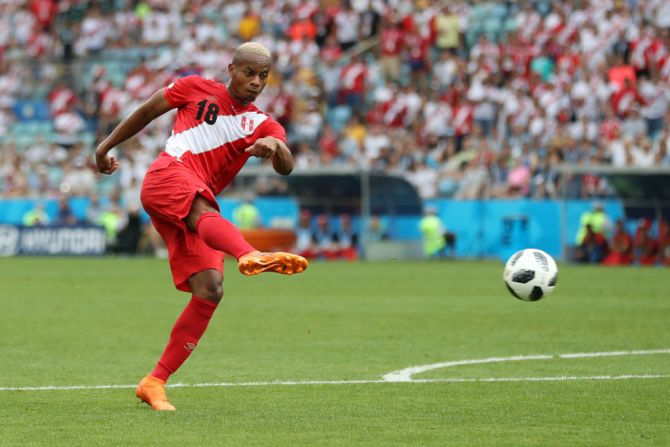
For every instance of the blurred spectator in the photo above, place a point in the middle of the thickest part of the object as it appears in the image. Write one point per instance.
(65, 216)
(634, 127)
(621, 72)
(417, 48)
(643, 154)
(593, 246)
(656, 101)
(246, 216)
(353, 83)
(113, 219)
(94, 210)
(36, 216)
(304, 236)
(281, 107)
(475, 181)
(95, 30)
(597, 220)
(44, 12)
(645, 248)
(377, 230)
(347, 25)
(322, 237)
(423, 178)
(373, 142)
(345, 239)
(620, 246)
(128, 237)
(249, 25)
(437, 241)
(391, 45)
(78, 179)
(61, 98)
(626, 98)
(664, 243)
(447, 30)
(663, 150)
(518, 180)
(306, 127)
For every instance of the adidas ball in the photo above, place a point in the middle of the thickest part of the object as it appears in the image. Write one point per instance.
(530, 274)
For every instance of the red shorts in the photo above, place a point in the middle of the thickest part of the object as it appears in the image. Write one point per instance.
(168, 191)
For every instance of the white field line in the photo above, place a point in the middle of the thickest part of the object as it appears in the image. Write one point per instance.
(343, 382)
(405, 375)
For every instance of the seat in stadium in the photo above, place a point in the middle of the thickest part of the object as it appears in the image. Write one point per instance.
(31, 109)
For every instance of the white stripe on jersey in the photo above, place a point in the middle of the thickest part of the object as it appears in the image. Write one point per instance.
(207, 137)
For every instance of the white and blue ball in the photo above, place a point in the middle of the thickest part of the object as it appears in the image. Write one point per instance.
(530, 274)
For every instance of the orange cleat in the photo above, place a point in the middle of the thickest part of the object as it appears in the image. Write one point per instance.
(279, 262)
(151, 390)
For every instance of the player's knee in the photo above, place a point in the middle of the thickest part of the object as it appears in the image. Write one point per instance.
(207, 285)
(214, 294)
(211, 291)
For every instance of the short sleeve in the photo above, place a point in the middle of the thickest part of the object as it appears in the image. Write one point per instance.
(178, 93)
(272, 128)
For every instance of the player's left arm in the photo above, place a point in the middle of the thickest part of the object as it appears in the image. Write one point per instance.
(282, 160)
(275, 149)
(272, 145)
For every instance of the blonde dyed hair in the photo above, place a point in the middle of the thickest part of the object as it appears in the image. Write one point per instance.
(251, 50)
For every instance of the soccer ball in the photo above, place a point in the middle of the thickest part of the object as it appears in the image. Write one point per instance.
(530, 274)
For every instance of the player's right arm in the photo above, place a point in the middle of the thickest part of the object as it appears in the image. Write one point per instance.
(129, 127)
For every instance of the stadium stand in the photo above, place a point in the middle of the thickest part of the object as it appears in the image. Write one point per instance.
(476, 99)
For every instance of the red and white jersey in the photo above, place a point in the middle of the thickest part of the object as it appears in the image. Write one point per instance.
(462, 120)
(610, 128)
(664, 67)
(212, 130)
(625, 99)
(640, 50)
(391, 42)
(39, 44)
(60, 99)
(394, 113)
(490, 50)
(519, 54)
(112, 102)
(353, 77)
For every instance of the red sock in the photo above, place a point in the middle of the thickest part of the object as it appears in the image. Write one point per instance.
(185, 335)
(222, 235)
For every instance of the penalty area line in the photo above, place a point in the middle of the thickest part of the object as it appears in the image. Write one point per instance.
(406, 374)
(345, 382)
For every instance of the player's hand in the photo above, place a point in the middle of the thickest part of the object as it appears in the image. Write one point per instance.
(263, 148)
(105, 163)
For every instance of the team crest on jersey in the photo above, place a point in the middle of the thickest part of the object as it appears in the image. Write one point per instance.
(247, 124)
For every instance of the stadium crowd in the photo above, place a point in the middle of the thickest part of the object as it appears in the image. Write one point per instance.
(466, 99)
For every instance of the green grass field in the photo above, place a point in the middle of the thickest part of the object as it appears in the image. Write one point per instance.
(96, 322)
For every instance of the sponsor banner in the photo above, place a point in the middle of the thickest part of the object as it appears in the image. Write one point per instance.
(52, 240)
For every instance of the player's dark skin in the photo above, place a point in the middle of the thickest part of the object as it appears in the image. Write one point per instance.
(248, 77)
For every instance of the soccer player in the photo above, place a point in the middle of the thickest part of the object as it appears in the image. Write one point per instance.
(216, 130)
